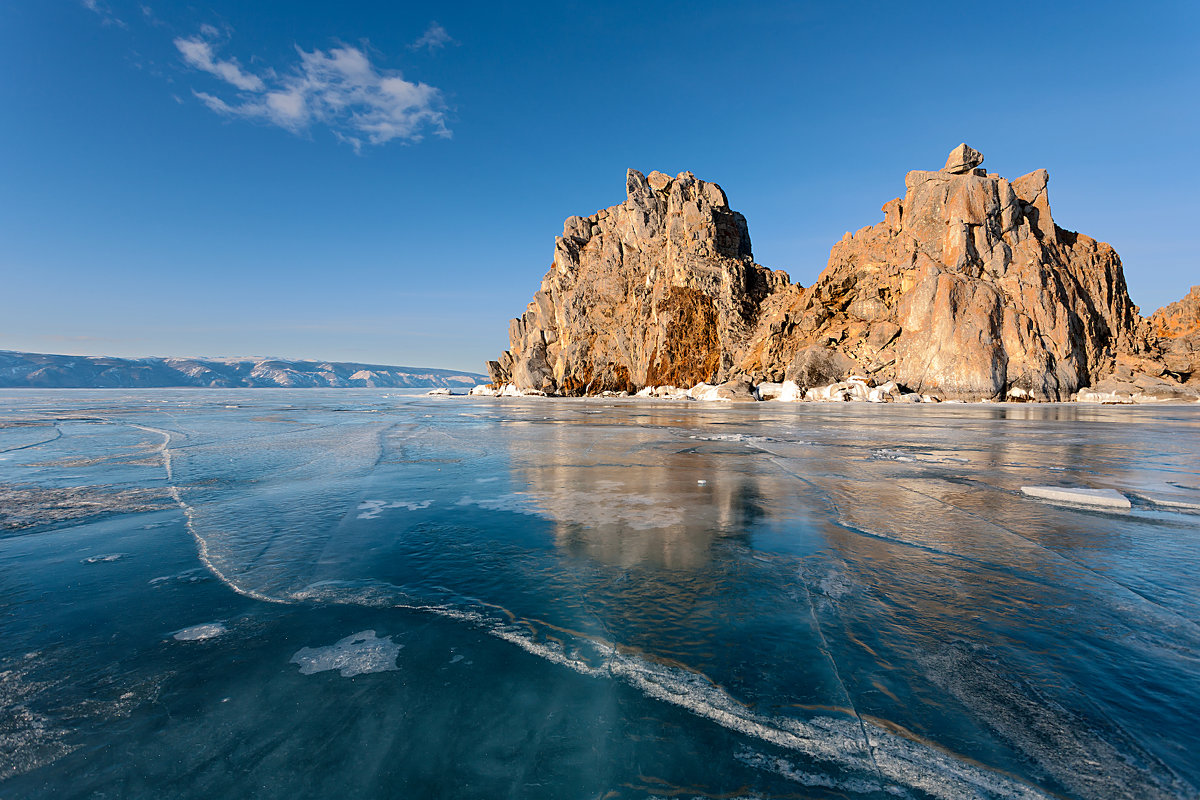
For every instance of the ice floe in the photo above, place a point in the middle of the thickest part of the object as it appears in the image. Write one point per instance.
(1105, 498)
(357, 654)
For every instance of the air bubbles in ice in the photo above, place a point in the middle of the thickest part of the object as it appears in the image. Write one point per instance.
(358, 654)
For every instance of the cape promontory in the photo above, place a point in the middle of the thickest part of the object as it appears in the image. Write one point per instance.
(967, 289)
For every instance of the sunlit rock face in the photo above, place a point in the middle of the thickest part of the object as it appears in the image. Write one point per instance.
(659, 290)
(1177, 327)
(966, 290)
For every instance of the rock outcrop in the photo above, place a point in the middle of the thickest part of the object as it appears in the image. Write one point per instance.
(1178, 329)
(659, 290)
(967, 289)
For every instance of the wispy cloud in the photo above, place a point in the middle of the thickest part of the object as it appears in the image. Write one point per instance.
(434, 38)
(338, 88)
(105, 13)
(198, 53)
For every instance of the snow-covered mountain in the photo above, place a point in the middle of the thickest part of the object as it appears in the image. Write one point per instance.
(99, 372)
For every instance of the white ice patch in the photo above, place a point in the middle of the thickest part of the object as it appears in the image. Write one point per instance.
(370, 509)
(104, 559)
(197, 633)
(1106, 498)
(354, 655)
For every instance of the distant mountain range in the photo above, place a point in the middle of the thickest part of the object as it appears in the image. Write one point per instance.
(101, 372)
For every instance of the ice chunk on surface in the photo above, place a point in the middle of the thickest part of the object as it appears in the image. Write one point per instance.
(1107, 498)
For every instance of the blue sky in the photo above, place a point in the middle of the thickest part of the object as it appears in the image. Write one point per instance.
(383, 181)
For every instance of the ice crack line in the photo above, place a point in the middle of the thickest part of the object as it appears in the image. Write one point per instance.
(1055, 554)
(57, 435)
(164, 451)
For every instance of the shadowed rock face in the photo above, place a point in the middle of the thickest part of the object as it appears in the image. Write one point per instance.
(967, 289)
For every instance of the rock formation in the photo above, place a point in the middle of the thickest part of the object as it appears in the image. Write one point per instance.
(966, 290)
(661, 289)
(1169, 369)
(1178, 329)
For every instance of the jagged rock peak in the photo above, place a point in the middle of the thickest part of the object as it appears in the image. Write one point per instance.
(655, 290)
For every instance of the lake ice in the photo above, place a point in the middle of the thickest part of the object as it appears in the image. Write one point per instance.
(296, 593)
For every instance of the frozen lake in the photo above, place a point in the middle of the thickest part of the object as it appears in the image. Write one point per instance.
(307, 593)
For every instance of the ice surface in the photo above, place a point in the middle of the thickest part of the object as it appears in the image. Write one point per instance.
(835, 600)
(1108, 498)
(357, 654)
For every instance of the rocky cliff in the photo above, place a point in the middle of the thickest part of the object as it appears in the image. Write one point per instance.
(661, 289)
(967, 289)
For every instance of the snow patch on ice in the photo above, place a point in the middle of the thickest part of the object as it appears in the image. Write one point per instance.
(370, 509)
(198, 633)
(104, 559)
(357, 654)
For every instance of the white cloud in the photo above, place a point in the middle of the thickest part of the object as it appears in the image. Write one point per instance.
(199, 53)
(435, 37)
(338, 88)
